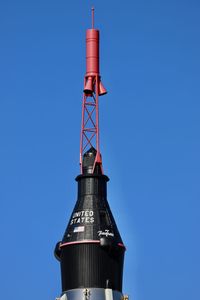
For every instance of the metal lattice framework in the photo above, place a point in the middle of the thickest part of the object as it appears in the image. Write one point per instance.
(90, 123)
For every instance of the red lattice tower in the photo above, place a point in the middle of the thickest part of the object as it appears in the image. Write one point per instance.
(93, 88)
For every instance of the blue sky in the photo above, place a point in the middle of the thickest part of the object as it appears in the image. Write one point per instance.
(150, 141)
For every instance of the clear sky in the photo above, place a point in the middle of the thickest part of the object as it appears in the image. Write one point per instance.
(150, 140)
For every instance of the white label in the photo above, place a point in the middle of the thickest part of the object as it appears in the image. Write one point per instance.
(82, 217)
(105, 233)
(79, 229)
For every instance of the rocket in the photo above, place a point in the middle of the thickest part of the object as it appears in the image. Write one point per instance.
(91, 252)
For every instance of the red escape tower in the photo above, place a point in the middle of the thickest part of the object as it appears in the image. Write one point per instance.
(91, 252)
(93, 88)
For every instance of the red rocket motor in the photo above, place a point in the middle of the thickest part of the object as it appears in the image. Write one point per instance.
(91, 252)
(92, 77)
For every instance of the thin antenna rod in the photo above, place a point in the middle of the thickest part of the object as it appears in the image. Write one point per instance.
(93, 17)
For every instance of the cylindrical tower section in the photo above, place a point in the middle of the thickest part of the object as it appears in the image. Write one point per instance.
(92, 52)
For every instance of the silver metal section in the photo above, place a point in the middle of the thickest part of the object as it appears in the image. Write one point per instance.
(86, 294)
(109, 294)
(91, 294)
(64, 297)
(125, 297)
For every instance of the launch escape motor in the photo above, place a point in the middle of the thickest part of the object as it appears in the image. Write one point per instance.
(91, 252)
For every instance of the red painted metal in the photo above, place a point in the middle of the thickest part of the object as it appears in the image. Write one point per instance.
(87, 242)
(80, 242)
(93, 88)
(92, 52)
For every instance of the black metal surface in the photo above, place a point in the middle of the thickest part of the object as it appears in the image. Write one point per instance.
(91, 252)
(90, 265)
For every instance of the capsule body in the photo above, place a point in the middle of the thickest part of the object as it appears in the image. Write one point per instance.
(91, 253)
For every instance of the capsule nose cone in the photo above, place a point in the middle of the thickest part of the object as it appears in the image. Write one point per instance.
(88, 160)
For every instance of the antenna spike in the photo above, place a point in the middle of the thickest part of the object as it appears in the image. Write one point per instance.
(92, 17)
